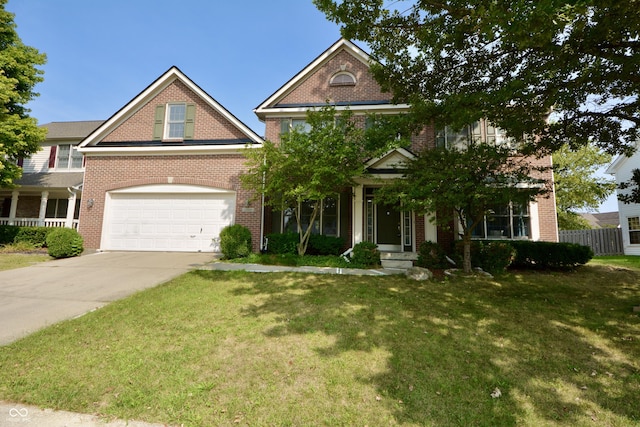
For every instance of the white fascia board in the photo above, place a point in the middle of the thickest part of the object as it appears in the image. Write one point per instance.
(403, 151)
(612, 169)
(96, 151)
(301, 111)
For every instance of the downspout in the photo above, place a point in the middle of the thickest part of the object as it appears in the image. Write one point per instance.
(73, 192)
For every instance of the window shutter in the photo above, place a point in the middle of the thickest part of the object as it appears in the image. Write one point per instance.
(189, 121)
(21, 161)
(52, 156)
(158, 125)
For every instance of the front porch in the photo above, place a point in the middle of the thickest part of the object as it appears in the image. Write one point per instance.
(48, 208)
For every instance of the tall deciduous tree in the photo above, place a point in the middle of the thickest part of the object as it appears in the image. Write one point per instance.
(577, 186)
(463, 184)
(19, 133)
(514, 62)
(308, 165)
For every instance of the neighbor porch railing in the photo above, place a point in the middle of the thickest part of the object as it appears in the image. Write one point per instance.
(37, 222)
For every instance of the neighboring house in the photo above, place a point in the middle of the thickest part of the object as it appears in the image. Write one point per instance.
(340, 76)
(602, 220)
(162, 173)
(50, 190)
(622, 168)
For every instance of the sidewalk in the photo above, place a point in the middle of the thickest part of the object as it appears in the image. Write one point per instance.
(17, 414)
(260, 268)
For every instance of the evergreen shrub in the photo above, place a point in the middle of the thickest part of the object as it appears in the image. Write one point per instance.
(64, 243)
(235, 241)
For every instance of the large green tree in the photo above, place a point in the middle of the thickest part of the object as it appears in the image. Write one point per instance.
(555, 72)
(308, 165)
(577, 185)
(19, 133)
(463, 184)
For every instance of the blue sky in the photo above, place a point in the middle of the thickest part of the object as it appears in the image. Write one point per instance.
(101, 54)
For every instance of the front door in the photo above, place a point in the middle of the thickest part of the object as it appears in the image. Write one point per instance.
(389, 232)
(387, 225)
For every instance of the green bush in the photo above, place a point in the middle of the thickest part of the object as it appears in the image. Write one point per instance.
(64, 243)
(490, 255)
(287, 243)
(37, 236)
(365, 254)
(431, 255)
(235, 241)
(325, 245)
(282, 243)
(543, 255)
(8, 233)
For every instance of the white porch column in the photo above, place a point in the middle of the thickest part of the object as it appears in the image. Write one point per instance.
(358, 215)
(44, 197)
(71, 209)
(14, 206)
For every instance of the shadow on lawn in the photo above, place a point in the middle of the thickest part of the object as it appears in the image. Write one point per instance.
(560, 347)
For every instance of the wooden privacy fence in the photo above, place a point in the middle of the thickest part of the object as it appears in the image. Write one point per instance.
(603, 241)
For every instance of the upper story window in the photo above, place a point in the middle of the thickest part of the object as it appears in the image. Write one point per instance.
(343, 78)
(480, 131)
(174, 121)
(288, 124)
(68, 157)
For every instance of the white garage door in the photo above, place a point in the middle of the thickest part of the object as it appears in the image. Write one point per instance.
(167, 222)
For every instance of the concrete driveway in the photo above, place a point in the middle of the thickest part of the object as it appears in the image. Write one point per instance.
(46, 293)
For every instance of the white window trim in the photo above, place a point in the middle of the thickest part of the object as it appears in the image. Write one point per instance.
(319, 219)
(630, 230)
(72, 148)
(343, 73)
(168, 123)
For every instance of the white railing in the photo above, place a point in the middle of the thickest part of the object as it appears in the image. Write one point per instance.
(36, 222)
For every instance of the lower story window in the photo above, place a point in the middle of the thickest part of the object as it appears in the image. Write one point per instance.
(57, 208)
(326, 221)
(505, 222)
(634, 229)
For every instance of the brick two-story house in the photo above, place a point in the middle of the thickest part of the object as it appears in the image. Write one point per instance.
(340, 76)
(163, 172)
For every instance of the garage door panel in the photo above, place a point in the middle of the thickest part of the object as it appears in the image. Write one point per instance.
(167, 222)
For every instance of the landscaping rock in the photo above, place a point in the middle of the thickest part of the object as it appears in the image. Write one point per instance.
(419, 273)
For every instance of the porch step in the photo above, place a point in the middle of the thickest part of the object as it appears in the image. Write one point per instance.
(398, 260)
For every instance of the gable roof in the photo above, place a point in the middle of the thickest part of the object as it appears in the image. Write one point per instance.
(271, 103)
(620, 160)
(70, 130)
(90, 143)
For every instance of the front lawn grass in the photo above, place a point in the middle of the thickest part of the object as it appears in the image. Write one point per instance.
(9, 261)
(236, 348)
(628, 261)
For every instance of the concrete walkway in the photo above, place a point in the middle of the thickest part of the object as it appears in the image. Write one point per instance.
(16, 414)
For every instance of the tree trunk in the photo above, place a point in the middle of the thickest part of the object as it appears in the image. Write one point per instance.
(466, 253)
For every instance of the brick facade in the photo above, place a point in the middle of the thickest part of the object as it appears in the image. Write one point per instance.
(103, 174)
(177, 164)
